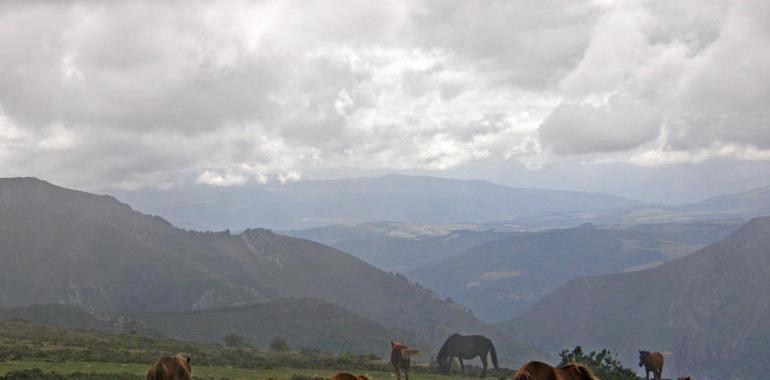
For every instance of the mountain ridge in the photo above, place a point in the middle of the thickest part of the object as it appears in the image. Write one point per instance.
(401, 198)
(65, 246)
(710, 308)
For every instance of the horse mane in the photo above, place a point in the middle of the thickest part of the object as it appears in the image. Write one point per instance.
(584, 371)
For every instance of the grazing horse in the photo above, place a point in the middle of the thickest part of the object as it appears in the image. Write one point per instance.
(652, 362)
(465, 347)
(166, 368)
(401, 358)
(348, 376)
(541, 371)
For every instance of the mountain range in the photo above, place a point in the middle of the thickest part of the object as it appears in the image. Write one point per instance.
(401, 247)
(502, 278)
(399, 198)
(710, 310)
(500, 273)
(419, 200)
(65, 246)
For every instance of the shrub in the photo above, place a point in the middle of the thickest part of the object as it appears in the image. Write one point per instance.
(605, 365)
(233, 340)
(279, 344)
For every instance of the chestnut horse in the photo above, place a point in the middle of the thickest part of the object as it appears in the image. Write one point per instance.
(348, 376)
(401, 358)
(535, 370)
(166, 368)
(652, 362)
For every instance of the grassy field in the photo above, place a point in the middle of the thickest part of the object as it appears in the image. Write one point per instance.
(138, 371)
(89, 355)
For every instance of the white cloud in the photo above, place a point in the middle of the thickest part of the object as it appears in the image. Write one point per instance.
(147, 94)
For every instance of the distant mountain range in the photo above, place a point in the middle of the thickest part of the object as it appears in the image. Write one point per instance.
(64, 246)
(419, 200)
(401, 247)
(710, 309)
(504, 277)
(412, 199)
(500, 273)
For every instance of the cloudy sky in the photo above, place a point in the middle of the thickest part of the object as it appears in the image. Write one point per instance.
(664, 99)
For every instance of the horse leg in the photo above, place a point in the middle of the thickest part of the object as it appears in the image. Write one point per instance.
(398, 374)
(462, 365)
(484, 364)
(646, 374)
(406, 372)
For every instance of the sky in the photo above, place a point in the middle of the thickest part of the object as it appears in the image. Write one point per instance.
(659, 100)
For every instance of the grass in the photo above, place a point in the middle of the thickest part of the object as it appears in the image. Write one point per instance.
(93, 355)
(138, 371)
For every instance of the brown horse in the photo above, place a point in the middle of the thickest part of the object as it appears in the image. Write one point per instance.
(348, 376)
(685, 378)
(166, 368)
(401, 358)
(535, 370)
(652, 362)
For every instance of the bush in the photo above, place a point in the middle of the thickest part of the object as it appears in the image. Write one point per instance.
(233, 340)
(605, 365)
(279, 344)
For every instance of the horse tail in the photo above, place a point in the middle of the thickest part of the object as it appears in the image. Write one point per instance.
(493, 353)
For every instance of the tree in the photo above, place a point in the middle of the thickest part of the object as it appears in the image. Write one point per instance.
(279, 344)
(233, 340)
(605, 365)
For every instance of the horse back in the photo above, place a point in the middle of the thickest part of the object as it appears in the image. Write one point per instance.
(574, 371)
(656, 359)
(535, 370)
(348, 376)
(169, 369)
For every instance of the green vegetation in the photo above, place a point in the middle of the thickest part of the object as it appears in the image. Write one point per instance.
(279, 344)
(605, 365)
(37, 352)
(234, 340)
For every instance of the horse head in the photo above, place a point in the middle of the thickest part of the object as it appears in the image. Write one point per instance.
(442, 360)
(643, 355)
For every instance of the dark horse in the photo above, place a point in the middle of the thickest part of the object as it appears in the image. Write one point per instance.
(465, 347)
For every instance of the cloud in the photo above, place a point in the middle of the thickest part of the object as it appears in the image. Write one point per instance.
(621, 124)
(144, 94)
(695, 83)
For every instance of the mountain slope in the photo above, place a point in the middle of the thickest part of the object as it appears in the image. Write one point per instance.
(64, 246)
(504, 277)
(710, 308)
(398, 247)
(302, 322)
(400, 198)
